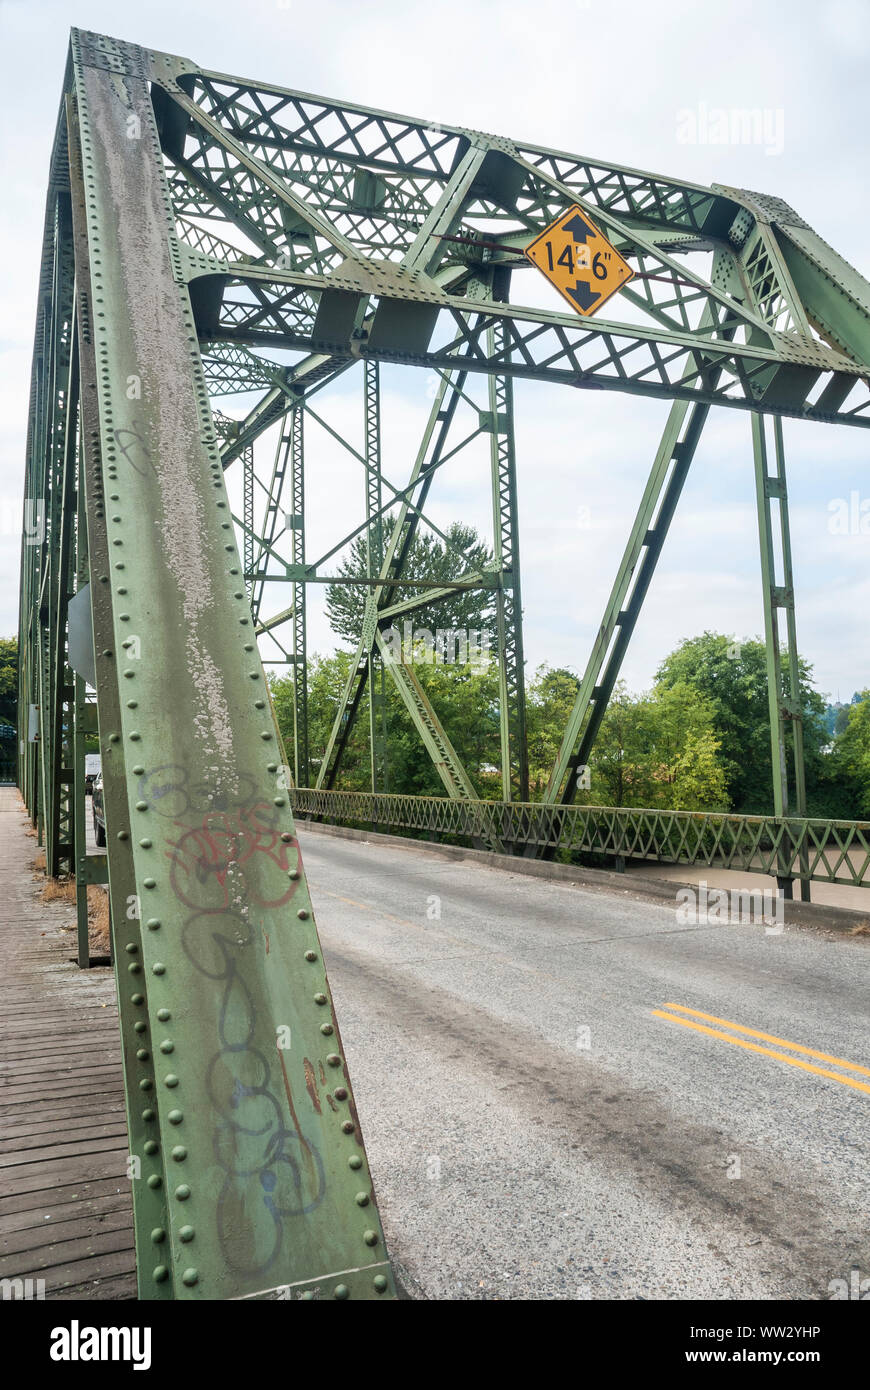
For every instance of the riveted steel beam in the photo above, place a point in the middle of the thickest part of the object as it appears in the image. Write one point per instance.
(250, 1176)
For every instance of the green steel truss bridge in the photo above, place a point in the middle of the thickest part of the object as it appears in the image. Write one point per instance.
(206, 237)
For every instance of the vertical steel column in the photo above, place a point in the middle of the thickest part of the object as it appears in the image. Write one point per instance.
(377, 679)
(509, 611)
(300, 649)
(784, 698)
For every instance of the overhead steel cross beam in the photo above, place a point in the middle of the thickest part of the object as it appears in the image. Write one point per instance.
(250, 1178)
(358, 232)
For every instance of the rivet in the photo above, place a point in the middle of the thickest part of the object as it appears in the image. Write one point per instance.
(293, 873)
(286, 836)
(150, 882)
(135, 736)
(265, 734)
(186, 1233)
(362, 1199)
(167, 1046)
(302, 914)
(175, 1117)
(259, 704)
(320, 999)
(311, 955)
(190, 1276)
(134, 967)
(179, 1153)
(139, 1027)
(380, 1283)
(182, 1192)
(147, 1116)
(340, 1093)
(122, 835)
(333, 1060)
(137, 998)
(138, 771)
(170, 1080)
(347, 1126)
(354, 1161)
(141, 805)
(161, 1274)
(132, 704)
(341, 1291)
(151, 1146)
(159, 968)
(155, 1180)
(142, 1054)
(152, 924)
(158, 1235)
(131, 947)
(370, 1237)
(278, 800)
(162, 1014)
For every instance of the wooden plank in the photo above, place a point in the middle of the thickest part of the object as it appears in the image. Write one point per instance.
(65, 1200)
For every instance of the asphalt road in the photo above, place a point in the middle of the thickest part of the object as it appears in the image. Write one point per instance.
(536, 1130)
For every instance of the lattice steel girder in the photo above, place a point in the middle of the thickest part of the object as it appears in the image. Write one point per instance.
(828, 851)
(349, 231)
(253, 1178)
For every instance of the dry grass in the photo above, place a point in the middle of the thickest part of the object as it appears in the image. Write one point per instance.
(38, 864)
(862, 929)
(59, 890)
(98, 919)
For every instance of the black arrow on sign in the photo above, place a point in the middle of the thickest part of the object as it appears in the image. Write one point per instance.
(579, 229)
(582, 295)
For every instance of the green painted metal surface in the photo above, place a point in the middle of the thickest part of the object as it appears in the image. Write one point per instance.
(207, 237)
(826, 851)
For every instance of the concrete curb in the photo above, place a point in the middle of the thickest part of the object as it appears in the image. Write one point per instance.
(840, 919)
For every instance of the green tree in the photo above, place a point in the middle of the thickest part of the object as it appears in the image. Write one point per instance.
(9, 680)
(851, 759)
(733, 678)
(428, 559)
(658, 750)
(464, 698)
(549, 700)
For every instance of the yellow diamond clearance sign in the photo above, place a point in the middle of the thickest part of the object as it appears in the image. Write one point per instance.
(579, 261)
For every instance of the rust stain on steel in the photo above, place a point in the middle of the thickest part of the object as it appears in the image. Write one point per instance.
(311, 1085)
(266, 934)
(296, 1125)
(322, 1075)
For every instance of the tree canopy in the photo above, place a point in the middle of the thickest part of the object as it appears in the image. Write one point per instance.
(430, 559)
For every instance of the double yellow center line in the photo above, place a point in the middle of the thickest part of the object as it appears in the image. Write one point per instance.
(766, 1051)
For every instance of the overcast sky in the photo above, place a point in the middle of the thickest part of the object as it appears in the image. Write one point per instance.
(610, 81)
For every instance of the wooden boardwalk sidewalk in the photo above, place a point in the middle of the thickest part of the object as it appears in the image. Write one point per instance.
(65, 1207)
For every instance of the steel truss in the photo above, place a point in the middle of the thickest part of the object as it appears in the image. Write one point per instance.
(209, 238)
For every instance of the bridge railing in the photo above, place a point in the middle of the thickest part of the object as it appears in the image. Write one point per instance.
(829, 851)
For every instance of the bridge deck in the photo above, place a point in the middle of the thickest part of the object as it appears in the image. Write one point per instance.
(65, 1211)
